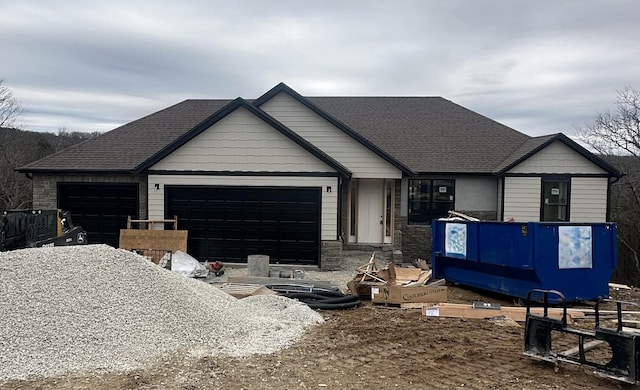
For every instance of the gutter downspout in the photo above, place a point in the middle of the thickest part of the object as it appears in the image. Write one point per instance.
(501, 183)
(609, 183)
(339, 230)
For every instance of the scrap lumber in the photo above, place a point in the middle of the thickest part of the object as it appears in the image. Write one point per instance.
(422, 279)
(453, 213)
(370, 279)
(370, 271)
(516, 313)
(151, 223)
(439, 282)
(618, 286)
(587, 347)
(152, 240)
(406, 275)
(631, 323)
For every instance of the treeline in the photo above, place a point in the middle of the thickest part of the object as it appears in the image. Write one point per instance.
(625, 212)
(20, 147)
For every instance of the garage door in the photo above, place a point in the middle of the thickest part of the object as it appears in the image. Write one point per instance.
(231, 223)
(100, 208)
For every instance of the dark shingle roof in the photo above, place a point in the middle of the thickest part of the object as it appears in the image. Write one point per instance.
(126, 147)
(427, 134)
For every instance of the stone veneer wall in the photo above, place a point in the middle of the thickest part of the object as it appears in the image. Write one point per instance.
(330, 255)
(45, 188)
(398, 227)
(416, 239)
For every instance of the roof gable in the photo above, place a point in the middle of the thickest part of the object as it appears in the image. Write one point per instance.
(283, 88)
(224, 112)
(534, 145)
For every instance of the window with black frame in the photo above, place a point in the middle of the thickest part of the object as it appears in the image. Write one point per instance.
(555, 199)
(429, 199)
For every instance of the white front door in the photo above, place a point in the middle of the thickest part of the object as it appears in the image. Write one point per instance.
(370, 211)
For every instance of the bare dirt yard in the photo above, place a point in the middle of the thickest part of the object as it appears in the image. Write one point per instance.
(370, 347)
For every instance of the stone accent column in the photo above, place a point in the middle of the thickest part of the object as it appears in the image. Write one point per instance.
(398, 225)
(330, 255)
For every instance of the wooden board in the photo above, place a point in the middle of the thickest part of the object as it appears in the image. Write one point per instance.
(618, 286)
(515, 313)
(587, 347)
(173, 240)
(407, 274)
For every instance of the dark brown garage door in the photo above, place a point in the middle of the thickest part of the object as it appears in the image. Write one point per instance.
(100, 208)
(230, 223)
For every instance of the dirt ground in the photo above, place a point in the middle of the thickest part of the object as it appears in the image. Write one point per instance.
(370, 347)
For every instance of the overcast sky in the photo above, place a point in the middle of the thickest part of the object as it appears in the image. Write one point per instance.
(540, 67)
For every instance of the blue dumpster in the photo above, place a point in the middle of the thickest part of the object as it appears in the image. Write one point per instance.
(512, 258)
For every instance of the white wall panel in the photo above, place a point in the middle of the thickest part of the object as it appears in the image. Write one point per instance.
(522, 198)
(242, 142)
(588, 199)
(557, 158)
(356, 157)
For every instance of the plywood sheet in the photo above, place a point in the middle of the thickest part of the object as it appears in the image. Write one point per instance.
(173, 240)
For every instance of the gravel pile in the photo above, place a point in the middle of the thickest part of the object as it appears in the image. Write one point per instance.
(97, 309)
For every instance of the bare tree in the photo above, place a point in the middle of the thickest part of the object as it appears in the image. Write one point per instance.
(616, 136)
(9, 107)
(616, 132)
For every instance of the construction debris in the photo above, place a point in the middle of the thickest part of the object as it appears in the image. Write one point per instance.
(515, 313)
(421, 263)
(617, 286)
(395, 285)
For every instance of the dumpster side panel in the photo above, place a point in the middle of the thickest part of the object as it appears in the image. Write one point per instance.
(576, 259)
(506, 245)
(513, 258)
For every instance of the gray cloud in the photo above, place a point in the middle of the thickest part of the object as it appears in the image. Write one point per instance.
(540, 67)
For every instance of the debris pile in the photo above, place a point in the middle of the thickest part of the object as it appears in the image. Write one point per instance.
(396, 285)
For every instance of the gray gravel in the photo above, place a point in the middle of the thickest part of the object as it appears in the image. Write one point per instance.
(73, 310)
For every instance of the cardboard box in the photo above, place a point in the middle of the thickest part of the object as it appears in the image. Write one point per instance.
(391, 293)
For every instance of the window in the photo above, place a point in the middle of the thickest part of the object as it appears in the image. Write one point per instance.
(353, 203)
(388, 211)
(429, 199)
(555, 200)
